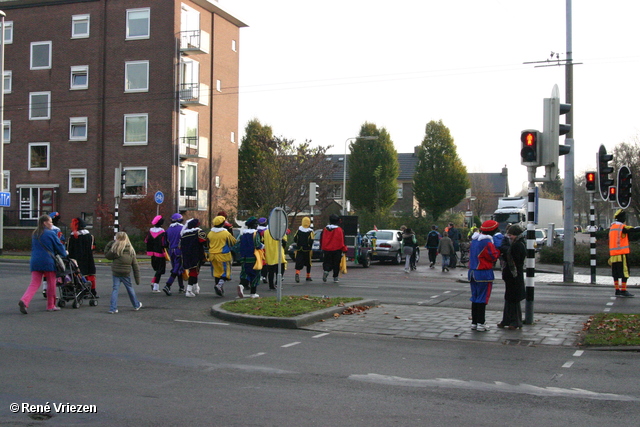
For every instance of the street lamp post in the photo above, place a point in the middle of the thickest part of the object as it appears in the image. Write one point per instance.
(344, 169)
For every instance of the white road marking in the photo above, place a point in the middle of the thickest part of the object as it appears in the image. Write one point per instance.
(359, 286)
(496, 386)
(567, 364)
(578, 353)
(606, 309)
(291, 344)
(206, 323)
(256, 355)
(447, 292)
(435, 296)
(320, 335)
(609, 303)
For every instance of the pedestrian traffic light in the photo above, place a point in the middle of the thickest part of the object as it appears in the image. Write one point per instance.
(590, 182)
(604, 182)
(530, 152)
(624, 187)
(612, 193)
(313, 193)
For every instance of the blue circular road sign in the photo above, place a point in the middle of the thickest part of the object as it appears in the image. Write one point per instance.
(159, 196)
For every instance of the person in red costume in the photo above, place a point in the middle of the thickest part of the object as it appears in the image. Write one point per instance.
(332, 246)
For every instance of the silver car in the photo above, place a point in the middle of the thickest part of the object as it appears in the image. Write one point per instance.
(388, 246)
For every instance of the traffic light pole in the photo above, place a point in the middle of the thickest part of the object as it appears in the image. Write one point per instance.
(592, 238)
(529, 280)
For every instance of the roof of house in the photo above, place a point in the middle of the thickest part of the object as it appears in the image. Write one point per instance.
(406, 161)
(498, 182)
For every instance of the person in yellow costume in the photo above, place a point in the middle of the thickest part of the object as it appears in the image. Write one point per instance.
(271, 257)
(618, 251)
(220, 244)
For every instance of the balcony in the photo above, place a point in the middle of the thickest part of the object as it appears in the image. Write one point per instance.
(188, 199)
(190, 93)
(188, 147)
(194, 41)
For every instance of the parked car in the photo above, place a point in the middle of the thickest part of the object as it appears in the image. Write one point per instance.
(559, 234)
(541, 239)
(387, 246)
(317, 253)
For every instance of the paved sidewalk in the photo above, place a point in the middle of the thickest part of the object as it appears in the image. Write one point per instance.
(418, 322)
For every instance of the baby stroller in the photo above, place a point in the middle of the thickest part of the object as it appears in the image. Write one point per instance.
(464, 253)
(74, 286)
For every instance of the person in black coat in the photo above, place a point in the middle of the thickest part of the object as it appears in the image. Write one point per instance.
(513, 275)
(81, 245)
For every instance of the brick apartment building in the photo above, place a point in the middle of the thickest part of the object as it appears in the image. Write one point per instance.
(92, 84)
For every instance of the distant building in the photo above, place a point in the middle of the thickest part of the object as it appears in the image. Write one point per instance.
(91, 84)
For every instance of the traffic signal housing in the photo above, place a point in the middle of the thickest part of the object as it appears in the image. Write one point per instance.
(612, 193)
(590, 181)
(552, 130)
(624, 187)
(313, 194)
(604, 182)
(530, 152)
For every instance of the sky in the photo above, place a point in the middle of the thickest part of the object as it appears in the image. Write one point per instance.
(318, 70)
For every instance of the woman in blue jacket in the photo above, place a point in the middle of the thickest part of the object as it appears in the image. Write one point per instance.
(44, 244)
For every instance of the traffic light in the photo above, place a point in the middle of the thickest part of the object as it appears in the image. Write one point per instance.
(590, 181)
(604, 182)
(612, 193)
(313, 193)
(530, 152)
(624, 187)
(552, 129)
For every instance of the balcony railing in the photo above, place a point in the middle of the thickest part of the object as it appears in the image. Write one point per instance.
(196, 41)
(188, 147)
(189, 92)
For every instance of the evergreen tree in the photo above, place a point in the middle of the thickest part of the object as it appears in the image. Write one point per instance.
(440, 180)
(373, 172)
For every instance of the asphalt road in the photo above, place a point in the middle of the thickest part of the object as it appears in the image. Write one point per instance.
(171, 363)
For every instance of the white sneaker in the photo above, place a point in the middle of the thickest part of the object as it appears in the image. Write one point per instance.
(406, 270)
(196, 289)
(139, 306)
(240, 291)
(255, 296)
(189, 293)
(474, 327)
(156, 288)
(482, 327)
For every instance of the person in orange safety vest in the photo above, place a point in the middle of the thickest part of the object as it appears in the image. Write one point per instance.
(618, 251)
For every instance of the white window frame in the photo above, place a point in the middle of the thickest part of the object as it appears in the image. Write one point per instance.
(79, 70)
(400, 191)
(146, 181)
(40, 144)
(6, 177)
(76, 123)
(74, 174)
(190, 121)
(129, 65)
(218, 85)
(8, 81)
(6, 131)
(40, 67)
(31, 106)
(234, 45)
(233, 137)
(8, 32)
(146, 132)
(80, 19)
(217, 181)
(183, 179)
(143, 36)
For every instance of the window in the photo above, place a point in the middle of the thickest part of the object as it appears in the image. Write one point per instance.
(78, 129)
(218, 86)
(189, 79)
(77, 180)
(8, 32)
(39, 156)
(6, 137)
(39, 105)
(136, 182)
(217, 182)
(6, 180)
(233, 137)
(189, 128)
(79, 26)
(189, 180)
(234, 46)
(79, 77)
(40, 55)
(135, 129)
(7, 81)
(400, 192)
(138, 23)
(136, 76)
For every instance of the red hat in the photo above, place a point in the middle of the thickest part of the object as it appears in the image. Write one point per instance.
(489, 226)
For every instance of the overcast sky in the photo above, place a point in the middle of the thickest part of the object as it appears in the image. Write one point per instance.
(318, 70)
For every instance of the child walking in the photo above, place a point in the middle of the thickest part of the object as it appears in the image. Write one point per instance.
(121, 252)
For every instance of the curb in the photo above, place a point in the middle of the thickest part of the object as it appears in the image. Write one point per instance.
(296, 322)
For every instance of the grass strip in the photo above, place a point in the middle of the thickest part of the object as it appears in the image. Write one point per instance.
(289, 306)
(612, 329)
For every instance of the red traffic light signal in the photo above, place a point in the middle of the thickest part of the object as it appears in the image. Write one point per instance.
(530, 152)
(612, 193)
(590, 182)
